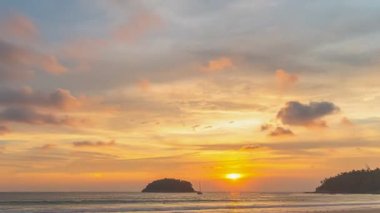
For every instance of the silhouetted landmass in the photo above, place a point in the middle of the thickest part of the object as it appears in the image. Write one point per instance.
(169, 185)
(354, 182)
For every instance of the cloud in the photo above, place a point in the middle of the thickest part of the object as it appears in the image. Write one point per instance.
(46, 147)
(276, 130)
(144, 85)
(298, 114)
(346, 122)
(194, 127)
(281, 131)
(24, 105)
(51, 64)
(63, 98)
(60, 98)
(265, 127)
(19, 26)
(218, 65)
(285, 79)
(16, 61)
(227, 147)
(94, 143)
(30, 116)
(251, 147)
(4, 130)
(138, 26)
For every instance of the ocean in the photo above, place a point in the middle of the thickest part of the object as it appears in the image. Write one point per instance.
(30, 202)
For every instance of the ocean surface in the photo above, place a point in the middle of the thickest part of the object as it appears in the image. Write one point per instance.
(157, 202)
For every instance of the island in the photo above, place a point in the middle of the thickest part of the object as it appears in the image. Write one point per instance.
(365, 181)
(169, 185)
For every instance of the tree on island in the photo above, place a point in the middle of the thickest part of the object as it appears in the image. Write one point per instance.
(169, 185)
(354, 182)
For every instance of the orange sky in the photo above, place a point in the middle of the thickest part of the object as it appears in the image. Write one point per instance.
(123, 93)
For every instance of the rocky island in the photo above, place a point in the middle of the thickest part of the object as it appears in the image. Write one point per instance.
(169, 185)
(365, 181)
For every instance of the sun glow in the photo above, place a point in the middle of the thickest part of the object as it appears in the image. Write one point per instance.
(233, 176)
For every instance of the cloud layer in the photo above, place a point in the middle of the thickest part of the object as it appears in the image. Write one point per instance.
(30, 116)
(19, 26)
(61, 99)
(4, 130)
(217, 65)
(94, 143)
(17, 62)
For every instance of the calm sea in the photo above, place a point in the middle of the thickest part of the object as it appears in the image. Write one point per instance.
(156, 202)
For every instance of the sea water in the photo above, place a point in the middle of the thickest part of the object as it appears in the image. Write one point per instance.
(182, 202)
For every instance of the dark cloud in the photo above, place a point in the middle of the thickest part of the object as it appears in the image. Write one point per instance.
(281, 131)
(60, 98)
(25, 105)
(30, 116)
(298, 114)
(94, 143)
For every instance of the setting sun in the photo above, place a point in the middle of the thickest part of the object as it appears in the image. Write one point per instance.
(233, 176)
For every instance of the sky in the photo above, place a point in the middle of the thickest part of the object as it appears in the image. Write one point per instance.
(111, 95)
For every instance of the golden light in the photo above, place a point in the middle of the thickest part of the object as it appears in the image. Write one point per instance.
(233, 176)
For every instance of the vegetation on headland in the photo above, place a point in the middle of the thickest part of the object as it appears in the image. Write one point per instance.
(169, 185)
(365, 181)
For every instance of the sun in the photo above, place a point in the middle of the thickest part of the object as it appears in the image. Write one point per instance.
(233, 176)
